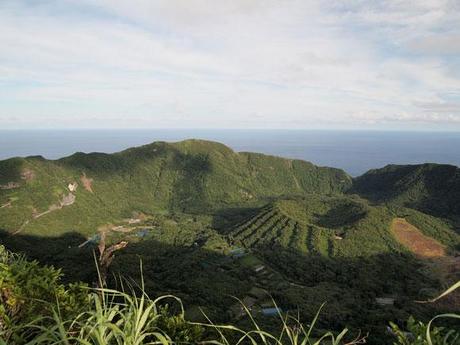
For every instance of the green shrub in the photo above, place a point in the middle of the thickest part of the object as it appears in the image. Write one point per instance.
(29, 290)
(416, 334)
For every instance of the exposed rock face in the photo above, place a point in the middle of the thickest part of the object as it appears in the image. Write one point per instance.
(67, 200)
(72, 186)
(27, 174)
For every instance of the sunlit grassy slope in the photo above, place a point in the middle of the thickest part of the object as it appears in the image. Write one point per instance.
(192, 176)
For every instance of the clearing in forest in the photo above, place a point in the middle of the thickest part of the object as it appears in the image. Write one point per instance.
(418, 243)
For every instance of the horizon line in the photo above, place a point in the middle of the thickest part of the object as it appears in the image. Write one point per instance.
(416, 130)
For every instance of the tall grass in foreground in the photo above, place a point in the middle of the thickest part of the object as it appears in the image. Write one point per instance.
(36, 309)
(117, 318)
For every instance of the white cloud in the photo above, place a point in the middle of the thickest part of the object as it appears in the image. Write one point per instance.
(238, 64)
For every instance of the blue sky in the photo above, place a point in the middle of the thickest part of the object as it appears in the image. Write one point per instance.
(230, 64)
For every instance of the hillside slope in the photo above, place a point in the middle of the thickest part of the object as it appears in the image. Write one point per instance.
(430, 188)
(332, 226)
(209, 223)
(84, 191)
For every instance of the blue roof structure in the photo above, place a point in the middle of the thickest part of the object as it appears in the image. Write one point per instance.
(271, 311)
(95, 238)
(142, 233)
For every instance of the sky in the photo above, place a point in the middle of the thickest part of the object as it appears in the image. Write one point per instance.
(288, 64)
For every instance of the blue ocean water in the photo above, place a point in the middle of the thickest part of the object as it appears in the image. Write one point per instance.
(354, 151)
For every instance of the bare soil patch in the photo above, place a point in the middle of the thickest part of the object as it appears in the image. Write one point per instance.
(87, 183)
(418, 243)
(28, 174)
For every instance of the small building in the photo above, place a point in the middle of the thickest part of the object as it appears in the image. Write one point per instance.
(385, 300)
(273, 311)
(92, 240)
(95, 238)
(259, 268)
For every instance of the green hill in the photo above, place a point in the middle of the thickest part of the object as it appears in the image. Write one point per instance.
(333, 226)
(430, 188)
(189, 176)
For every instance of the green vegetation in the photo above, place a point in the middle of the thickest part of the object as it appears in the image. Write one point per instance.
(210, 224)
(190, 176)
(52, 313)
(430, 188)
(28, 291)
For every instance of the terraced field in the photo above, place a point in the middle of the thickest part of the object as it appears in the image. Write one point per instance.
(335, 226)
(271, 228)
(329, 226)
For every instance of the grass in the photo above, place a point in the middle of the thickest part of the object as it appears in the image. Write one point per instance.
(311, 225)
(118, 318)
(250, 261)
(125, 316)
(114, 317)
(128, 316)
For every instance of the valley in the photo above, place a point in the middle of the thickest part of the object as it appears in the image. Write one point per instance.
(208, 224)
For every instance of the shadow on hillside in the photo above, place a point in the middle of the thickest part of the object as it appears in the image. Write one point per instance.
(226, 219)
(189, 189)
(10, 170)
(299, 283)
(341, 215)
(432, 188)
(61, 252)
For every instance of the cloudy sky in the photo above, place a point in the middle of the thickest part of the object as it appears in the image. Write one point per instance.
(230, 64)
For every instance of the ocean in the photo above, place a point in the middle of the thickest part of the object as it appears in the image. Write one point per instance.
(354, 151)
